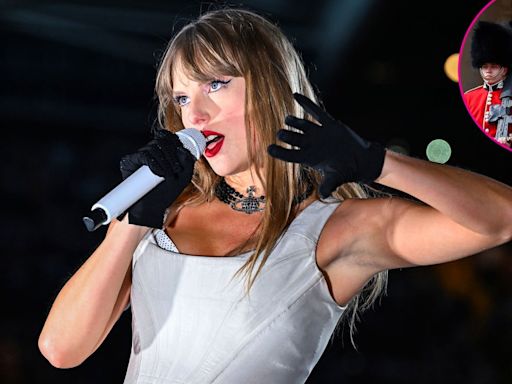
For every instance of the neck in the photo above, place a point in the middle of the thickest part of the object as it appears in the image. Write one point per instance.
(249, 204)
(240, 182)
(493, 86)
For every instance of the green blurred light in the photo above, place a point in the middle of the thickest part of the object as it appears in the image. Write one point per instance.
(439, 151)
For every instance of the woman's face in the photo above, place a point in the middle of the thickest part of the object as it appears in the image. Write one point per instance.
(492, 73)
(217, 109)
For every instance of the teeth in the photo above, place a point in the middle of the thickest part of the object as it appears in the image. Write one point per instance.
(210, 139)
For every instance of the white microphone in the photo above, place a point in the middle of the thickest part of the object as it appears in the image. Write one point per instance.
(138, 184)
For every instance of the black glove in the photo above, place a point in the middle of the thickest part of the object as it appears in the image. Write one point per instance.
(166, 157)
(331, 147)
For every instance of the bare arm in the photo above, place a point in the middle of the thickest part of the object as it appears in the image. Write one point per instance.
(92, 300)
(465, 213)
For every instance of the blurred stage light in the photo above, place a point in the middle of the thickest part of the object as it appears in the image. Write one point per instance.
(439, 151)
(451, 67)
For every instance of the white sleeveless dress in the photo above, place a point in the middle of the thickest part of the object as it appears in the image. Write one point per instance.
(192, 323)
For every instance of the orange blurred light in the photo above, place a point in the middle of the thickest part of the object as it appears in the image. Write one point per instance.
(451, 67)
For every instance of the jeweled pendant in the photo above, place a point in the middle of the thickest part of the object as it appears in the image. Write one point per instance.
(248, 204)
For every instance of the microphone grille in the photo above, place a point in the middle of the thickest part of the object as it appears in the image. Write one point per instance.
(193, 140)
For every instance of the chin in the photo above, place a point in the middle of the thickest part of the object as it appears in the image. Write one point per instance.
(228, 166)
(228, 170)
(492, 80)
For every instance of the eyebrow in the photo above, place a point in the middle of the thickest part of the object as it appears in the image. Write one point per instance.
(178, 92)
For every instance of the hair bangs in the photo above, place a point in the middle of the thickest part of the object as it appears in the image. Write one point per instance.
(203, 58)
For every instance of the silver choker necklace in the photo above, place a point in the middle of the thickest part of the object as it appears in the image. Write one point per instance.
(249, 204)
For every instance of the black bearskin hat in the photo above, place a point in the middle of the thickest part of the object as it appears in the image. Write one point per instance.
(492, 43)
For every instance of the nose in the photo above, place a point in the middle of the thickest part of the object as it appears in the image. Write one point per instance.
(198, 114)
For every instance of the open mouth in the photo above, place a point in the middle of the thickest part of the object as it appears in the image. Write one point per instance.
(214, 141)
(210, 139)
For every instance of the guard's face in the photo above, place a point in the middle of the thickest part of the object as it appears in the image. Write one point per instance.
(493, 73)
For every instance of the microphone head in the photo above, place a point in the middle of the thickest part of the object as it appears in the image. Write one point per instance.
(193, 140)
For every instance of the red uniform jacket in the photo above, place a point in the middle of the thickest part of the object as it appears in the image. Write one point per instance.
(478, 101)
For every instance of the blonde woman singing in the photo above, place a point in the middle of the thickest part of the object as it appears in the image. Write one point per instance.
(238, 268)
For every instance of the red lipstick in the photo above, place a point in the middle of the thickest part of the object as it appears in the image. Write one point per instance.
(214, 141)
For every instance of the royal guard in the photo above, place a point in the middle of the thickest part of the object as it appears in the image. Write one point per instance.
(490, 103)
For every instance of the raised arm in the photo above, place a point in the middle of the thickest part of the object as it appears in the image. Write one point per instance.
(464, 212)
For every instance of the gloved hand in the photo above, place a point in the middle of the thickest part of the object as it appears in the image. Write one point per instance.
(166, 157)
(331, 147)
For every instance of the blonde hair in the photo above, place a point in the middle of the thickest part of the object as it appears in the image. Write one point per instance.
(235, 42)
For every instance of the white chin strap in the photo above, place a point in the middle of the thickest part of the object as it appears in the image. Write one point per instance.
(499, 76)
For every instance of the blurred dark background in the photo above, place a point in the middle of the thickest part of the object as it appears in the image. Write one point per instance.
(76, 93)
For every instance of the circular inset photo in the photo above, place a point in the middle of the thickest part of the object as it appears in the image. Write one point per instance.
(485, 67)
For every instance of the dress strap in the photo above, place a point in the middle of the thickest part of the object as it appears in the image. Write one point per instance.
(311, 221)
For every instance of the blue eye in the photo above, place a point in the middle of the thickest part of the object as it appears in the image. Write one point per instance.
(215, 85)
(212, 86)
(181, 100)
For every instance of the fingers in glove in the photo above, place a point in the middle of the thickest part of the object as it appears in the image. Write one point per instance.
(290, 155)
(155, 160)
(168, 141)
(329, 184)
(303, 125)
(171, 159)
(292, 138)
(172, 150)
(145, 156)
(160, 156)
(164, 134)
(314, 110)
(130, 163)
